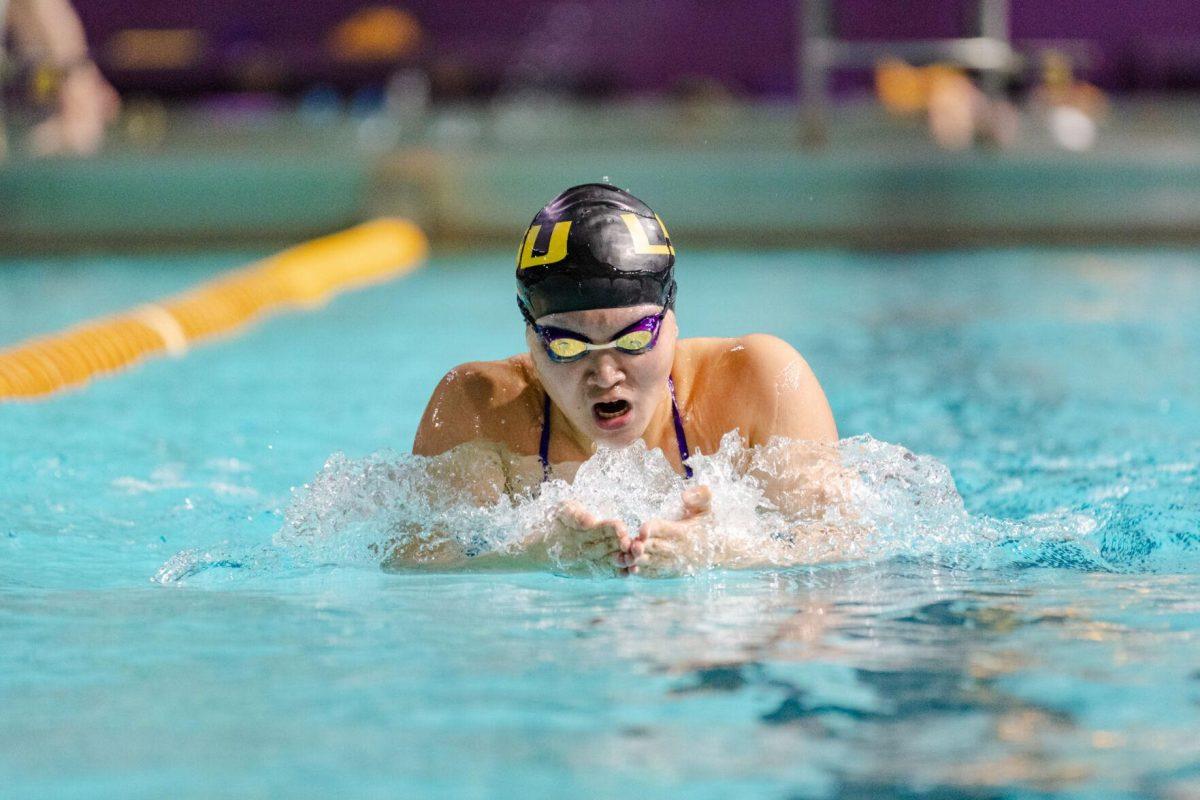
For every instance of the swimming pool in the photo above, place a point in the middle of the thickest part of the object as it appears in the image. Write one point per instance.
(159, 638)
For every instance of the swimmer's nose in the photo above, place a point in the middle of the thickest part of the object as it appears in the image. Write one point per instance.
(606, 371)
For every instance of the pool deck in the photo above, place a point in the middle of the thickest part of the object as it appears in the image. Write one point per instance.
(718, 174)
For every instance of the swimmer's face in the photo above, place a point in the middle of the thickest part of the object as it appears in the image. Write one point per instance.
(607, 395)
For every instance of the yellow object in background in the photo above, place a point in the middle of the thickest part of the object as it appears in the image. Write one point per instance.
(305, 276)
(905, 89)
(156, 48)
(375, 34)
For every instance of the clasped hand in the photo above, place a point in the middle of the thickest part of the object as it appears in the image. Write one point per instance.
(578, 538)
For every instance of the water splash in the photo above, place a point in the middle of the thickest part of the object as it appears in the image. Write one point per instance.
(783, 504)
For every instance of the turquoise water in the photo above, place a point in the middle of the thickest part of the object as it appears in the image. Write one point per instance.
(164, 631)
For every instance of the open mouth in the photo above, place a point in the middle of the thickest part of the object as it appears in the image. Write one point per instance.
(611, 414)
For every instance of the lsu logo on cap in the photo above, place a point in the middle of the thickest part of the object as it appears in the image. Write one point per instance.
(556, 251)
(641, 243)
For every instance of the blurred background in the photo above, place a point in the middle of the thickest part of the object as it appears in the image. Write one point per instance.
(789, 122)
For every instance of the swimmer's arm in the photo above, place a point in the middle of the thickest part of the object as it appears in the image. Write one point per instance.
(471, 472)
(474, 474)
(787, 419)
(778, 402)
(450, 429)
(798, 463)
(804, 481)
(807, 483)
(448, 556)
(454, 427)
(454, 414)
(50, 35)
(779, 393)
(569, 538)
(49, 30)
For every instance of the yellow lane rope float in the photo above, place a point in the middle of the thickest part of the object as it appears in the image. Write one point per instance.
(304, 276)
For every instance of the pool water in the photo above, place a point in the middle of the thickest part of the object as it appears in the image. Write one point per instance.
(164, 633)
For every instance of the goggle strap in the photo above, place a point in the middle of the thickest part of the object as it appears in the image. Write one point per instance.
(525, 313)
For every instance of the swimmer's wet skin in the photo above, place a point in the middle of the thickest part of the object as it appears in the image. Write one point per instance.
(606, 368)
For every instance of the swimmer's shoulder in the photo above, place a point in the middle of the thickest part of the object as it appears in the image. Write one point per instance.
(488, 385)
(759, 384)
(720, 362)
(480, 401)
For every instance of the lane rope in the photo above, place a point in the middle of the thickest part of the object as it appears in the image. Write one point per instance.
(162, 322)
(301, 277)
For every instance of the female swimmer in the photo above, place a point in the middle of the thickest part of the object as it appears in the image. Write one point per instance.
(606, 367)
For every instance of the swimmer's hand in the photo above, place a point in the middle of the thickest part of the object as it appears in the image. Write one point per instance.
(577, 538)
(672, 547)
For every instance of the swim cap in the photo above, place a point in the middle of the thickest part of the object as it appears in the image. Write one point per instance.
(595, 246)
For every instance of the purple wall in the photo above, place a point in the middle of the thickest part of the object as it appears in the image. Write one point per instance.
(637, 46)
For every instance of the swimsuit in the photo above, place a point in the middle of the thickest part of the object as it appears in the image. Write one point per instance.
(680, 437)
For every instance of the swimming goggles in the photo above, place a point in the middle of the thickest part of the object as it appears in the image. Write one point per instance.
(564, 346)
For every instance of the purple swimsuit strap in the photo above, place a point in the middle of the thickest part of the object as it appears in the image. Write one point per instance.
(680, 436)
(544, 447)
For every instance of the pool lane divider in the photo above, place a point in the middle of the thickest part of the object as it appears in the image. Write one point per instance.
(302, 277)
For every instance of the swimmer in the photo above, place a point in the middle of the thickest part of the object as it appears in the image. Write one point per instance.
(50, 37)
(606, 367)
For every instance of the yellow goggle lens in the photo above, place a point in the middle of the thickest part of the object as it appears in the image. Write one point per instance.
(635, 340)
(567, 348)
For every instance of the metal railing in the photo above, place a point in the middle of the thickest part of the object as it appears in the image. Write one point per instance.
(991, 52)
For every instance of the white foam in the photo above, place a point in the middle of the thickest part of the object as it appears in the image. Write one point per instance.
(861, 500)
